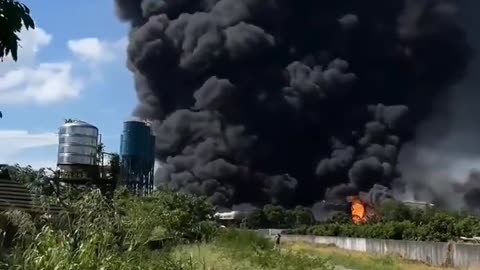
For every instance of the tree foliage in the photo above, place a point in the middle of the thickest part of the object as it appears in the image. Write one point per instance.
(38, 181)
(114, 164)
(400, 222)
(13, 17)
(178, 216)
(24, 175)
(278, 217)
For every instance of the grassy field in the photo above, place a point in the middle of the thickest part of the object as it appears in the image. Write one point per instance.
(296, 256)
(291, 256)
(359, 260)
(168, 231)
(239, 250)
(211, 257)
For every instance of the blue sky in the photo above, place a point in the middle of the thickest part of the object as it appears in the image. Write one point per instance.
(71, 66)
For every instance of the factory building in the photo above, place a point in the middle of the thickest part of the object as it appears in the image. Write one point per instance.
(137, 157)
(418, 204)
(231, 218)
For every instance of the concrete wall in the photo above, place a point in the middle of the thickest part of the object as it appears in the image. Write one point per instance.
(460, 255)
(467, 255)
(268, 232)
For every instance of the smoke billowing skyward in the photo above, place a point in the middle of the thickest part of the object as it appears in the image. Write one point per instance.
(289, 101)
(446, 149)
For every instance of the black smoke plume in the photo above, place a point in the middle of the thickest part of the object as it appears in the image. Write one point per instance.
(288, 101)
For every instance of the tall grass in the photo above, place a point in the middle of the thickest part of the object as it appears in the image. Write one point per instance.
(259, 251)
(99, 234)
(242, 240)
(94, 235)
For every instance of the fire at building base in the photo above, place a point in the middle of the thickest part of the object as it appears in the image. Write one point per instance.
(362, 208)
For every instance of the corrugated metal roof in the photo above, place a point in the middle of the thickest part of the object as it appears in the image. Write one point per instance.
(14, 195)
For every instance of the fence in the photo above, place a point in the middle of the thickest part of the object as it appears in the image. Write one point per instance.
(460, 255)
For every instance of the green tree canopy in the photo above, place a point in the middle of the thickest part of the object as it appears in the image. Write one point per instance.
(13, 17)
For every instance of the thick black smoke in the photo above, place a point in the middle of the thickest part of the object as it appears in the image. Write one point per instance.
(280, 101)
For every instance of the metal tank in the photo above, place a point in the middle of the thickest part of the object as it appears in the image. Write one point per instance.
(151, 150)
(135, 139)
(77, 144)
(137, 146)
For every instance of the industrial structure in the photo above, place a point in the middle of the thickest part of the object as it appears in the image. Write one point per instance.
(418, 204)
(137, 157)
(80, 159)
(231, 218)
(364, 208)
(78, 143)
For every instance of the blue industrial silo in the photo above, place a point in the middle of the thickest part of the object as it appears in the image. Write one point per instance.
(137, 158)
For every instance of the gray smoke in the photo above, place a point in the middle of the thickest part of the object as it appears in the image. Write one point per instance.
(284, 101)
(446, 154)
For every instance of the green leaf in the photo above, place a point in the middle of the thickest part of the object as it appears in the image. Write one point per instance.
(13, 16)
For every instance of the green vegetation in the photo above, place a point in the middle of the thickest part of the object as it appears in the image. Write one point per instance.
(13, 17)
(169, 230)
(278, 217)
(243, 250)
(163, 231)
(96, 233)
(359, 260)
(399, 222)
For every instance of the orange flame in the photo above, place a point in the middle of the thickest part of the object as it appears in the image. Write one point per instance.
(359, 211)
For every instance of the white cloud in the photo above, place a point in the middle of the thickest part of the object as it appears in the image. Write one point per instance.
(28, 81)
(44, 84)
(13, 142)
(95, 51)
(31, 42)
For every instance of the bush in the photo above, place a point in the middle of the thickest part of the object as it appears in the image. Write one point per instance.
(241, 240)
(399, 222)
(101, 234)
(181, 216)
(273, 216)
